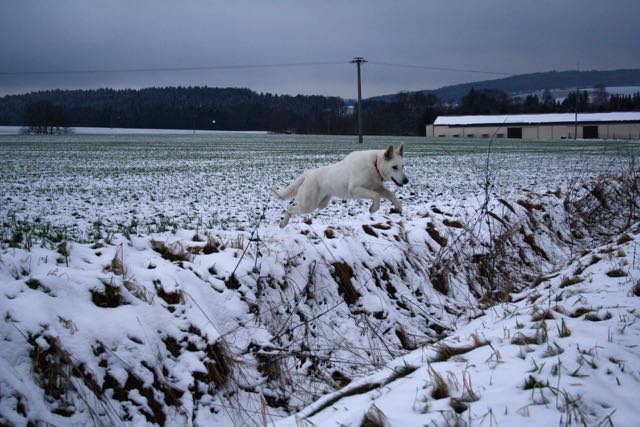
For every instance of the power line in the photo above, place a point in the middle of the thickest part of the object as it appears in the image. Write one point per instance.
(427, 67)
(172, 69)
(240, 67)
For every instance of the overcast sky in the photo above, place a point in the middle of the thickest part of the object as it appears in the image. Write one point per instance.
(506, 36)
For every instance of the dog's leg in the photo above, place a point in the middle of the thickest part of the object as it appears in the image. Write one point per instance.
(387, 194)
(324, 202)
(285, 219)
(292, 210)
(365, 193)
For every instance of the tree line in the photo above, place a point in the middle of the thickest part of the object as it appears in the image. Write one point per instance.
(206, 108)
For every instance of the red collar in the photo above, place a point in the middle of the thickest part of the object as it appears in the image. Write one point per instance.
(375, 164)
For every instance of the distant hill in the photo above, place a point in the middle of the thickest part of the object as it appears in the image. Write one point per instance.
(524, 83)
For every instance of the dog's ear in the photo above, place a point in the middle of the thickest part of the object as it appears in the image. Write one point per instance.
(388, 154)
(400, 150)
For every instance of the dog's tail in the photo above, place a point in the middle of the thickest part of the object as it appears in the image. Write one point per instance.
(291, 190)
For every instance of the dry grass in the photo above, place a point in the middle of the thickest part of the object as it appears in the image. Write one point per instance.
(595, 317)
(618, 272)
(342, 274)
(539, 315)
(110, 297)
(172, 251)
(138, 291)
(374, 417)
(440, 388)
(435, 235)
(212, 246)
(445, 351)
(635, 290)
(220, 364)
(563, 330)
(532, 382)
(570, 280)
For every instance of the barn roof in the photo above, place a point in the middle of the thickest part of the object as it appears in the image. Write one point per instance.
(537, 118)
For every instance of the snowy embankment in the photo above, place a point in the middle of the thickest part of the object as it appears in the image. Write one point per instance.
(246, 327)
(564, 352)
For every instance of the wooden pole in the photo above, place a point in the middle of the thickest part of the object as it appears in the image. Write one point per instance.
(359, 60)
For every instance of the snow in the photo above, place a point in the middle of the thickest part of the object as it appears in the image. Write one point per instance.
(537, 118)
(196, 322)
(590, 377)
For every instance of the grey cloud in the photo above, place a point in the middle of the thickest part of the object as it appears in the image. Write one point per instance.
(502, 35)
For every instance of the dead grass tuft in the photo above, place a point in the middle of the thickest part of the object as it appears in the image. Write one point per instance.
(595, 317)
(172, 252)
(36, 284)
(452, 224)
(330, 233)
(521, 339)
(117, 263)
(553, 349)
(618, 272)
(539, 315)
(532, 382)
(440, 388)
(369, 230)
(170, 298)
(342, 274)
(563, 330)
(220, 363)
(458, 405)
(232, 282)
(406, 341)
(110, 297)
(570, 280)
(635, 290)
(580, 311)
(138, 291)
(435, 235)
(374, 417)
(212, 245)
(439, 277)
(445, 352)
(625, 238)
(54, 369)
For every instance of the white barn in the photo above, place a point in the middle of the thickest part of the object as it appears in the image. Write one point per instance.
(624, 125)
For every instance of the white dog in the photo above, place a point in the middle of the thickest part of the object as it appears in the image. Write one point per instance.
(360, 175)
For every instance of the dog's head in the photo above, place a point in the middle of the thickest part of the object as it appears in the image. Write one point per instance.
(392, 165)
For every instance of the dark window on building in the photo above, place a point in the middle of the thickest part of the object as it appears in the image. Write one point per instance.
(514, 133)
(590, 132)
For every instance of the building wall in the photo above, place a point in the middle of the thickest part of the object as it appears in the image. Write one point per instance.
(605, 131)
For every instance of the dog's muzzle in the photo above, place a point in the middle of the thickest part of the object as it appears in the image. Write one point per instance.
(400, 184)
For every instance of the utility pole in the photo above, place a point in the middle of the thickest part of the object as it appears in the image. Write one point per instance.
(575, 126)
(359, 60)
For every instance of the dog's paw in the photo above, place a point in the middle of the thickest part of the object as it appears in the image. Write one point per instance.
(374, 207)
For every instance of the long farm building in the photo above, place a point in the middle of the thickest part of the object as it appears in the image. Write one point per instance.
(623, 125)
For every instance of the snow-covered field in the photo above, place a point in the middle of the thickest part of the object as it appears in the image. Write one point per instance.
(139, 285)
(97, 184)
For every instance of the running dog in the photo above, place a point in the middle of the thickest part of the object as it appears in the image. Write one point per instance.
(360, 175)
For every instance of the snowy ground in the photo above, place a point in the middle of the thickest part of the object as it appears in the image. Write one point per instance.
(92, 184)
(563, 353)
(138, 286)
